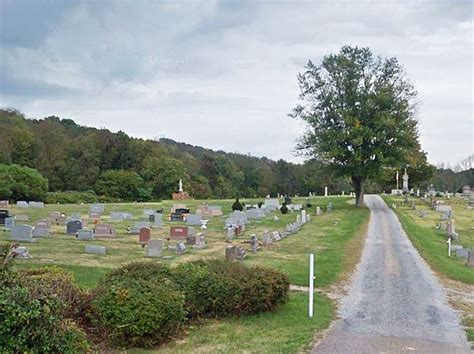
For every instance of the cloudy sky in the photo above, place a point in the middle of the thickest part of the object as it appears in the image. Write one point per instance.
(222, 74)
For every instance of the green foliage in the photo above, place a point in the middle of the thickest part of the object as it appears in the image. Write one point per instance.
(71, 197)
(360, 114)
(32, 309)
(217, 288)
(284, 209)
(141, 311)
(237, 205)
(21, 183)
(122, 185)
(163, 175)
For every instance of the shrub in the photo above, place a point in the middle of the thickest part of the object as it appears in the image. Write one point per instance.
(32, 323)
(139, 308)
(237, 205)
(284, 209)
(218, 288)
(260, 205)
(54, 282)
(309, 205)
(71, 197)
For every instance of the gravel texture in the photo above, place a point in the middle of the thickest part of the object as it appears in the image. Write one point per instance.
(395, 303)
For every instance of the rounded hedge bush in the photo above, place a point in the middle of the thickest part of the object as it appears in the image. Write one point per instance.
(284, 209)
(237, 206)
(218, 288)
(139, 308)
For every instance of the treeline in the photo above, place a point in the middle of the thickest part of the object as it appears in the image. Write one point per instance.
(113, 166)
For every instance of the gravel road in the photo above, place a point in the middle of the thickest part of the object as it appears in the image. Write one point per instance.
(395, 303)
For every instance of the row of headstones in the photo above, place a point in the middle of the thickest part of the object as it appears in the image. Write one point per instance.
(24, 204)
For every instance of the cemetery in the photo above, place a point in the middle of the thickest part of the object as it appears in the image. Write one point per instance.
(90, 248)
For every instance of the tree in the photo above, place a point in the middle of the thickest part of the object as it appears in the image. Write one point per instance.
(120, 184)
(163, 174)
(22, 183)
(359, 111)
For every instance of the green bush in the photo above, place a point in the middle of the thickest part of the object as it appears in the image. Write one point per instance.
(139, 308)
(35, 324)
(218, 288)
(71, 197)
(237, 205)
(284, 209)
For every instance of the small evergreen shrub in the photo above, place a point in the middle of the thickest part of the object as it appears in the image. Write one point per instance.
(218, 288)
(284, 209)
(139, 308)
(260, 205)
(309, 205)
(237, 205)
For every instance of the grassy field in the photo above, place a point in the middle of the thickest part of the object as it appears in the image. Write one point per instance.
(330, 236)
(431, 242)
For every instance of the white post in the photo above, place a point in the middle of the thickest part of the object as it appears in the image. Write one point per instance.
(325, 191)
(449, 247)
(311, 284)
(303, 216)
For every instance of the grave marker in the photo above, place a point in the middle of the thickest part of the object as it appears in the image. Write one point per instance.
(85, 235)
(93, 249)
(154, 248)
(144, 235)
(104, 230)
(22, 233)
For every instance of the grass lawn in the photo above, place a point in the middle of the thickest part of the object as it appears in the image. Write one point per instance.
(431, 243)
(330, 236)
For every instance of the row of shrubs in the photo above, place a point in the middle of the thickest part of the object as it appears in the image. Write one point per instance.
(142, 304)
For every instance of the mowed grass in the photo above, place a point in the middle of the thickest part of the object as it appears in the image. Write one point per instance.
(330, 236)
(431, 242)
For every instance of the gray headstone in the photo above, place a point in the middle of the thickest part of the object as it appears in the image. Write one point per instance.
(180, 248)
(462, 253)
(21, 253)
(9, 223)
(116, 216)
(38, 205)
(22, 204)
(104, 230)
(194, 219)
(72, 227)
(22, 233)
(154, 248)
(93, 249)
(40, 231)
(84, 235)
(22, 217)
(158, 220)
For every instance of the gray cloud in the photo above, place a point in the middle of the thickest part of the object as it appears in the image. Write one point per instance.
(223, 74)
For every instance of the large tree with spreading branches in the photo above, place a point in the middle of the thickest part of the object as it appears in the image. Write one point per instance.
(359, 111)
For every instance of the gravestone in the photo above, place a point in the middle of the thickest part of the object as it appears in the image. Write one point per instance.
(22, 204)
(462, 253)
(255, 214)
(73, 226)
(158, 220)
(180, 248)
(4, 204)
(254, 243)
(303, 216)
(200, 241)
(93, 249)
(193, 219)
(22, 233)
(151, 218)
(329, 207)
(215, 210)
(85, 235)
(176, 217)
(266, 239)
(9, 223)
(116, 216)
(318, 211)
(180, 232)
(234, 253)
(54, 217)
(39, 231)
(97, 208)
(154, 248)
(276, 236)
(135, 229)
(127, 216)
(230, 234)
(104, 231)
(470, 258)
(22, 217)
(38, 205)
(191, 239)
(44, 223)
(144, 235)
(94, 216)
(3, 215)
(148, 212)
(21, 252)
(442, 208)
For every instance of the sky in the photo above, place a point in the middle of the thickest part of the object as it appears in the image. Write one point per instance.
(222, 74)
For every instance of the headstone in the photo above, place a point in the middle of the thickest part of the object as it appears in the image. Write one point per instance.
(325, 191)
(180, 248)
(255, 214)
(22, 204)
(37, 205)
(176, 217)
(127, 216)
(329, 207)
(97, 208)
(151, 218)
(234, 253)
(9, 223)
(303, 216)
(254, 243)
(318, 211)
(3, 215)
(470, 258)
(308, 218)
(158, 222)
(54, 217)
(230, 234)
(40, 231)
(271, 204)
(267, 239)
(193, 219)
(180, 232)
(93, 249)
(200, 241)
(22, 217)
(22, 233)
(94, 216)
(148, 212)
(85, 235)
(135, 229)
(276, 236)
(154, 248)
(72, 227)
(144, 235)
(21, 252)
(462, 253)
(4, 204)
(44, 223)
(104, 230)
(116, 216)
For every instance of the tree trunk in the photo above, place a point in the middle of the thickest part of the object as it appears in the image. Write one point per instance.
(358, 183)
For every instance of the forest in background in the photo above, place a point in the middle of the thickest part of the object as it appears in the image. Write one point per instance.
(96, 163)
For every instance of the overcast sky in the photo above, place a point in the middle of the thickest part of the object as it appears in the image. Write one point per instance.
(223, 74)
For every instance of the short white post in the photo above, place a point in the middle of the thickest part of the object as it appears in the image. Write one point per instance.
(311, 284)
(449, 247)
(325, 191)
